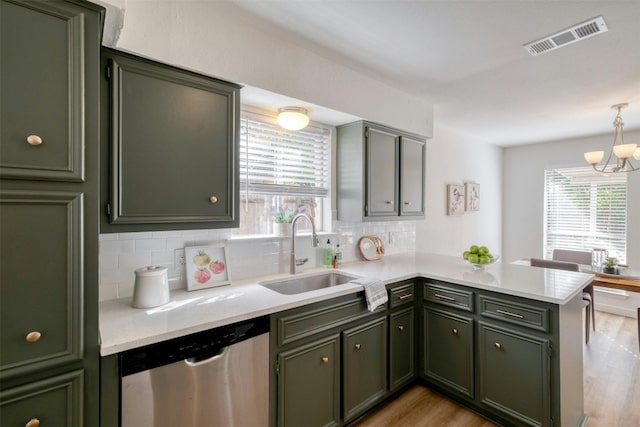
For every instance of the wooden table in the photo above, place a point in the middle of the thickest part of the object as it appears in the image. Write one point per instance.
(616, 283)
(619, 283)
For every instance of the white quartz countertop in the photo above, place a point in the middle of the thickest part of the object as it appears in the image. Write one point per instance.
(123, 327)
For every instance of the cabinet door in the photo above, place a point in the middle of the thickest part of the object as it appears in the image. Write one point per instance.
(173, 144)
(41, 274)
(382, 172)
(448, 350)
(42, 111)
(514, 377)
(55, 401)
(401, 348)
(309, 385)
(412, 167)
(365, 366)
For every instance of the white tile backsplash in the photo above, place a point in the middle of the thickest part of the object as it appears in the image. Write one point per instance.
(122, 253)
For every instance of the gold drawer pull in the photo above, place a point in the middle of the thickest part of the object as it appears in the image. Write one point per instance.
(325, 359)
(405, 296)
(213, 200)
(498, 345)
(508, 313)
(33, 422)
(34, 140)
(358, 346)
(401, 328)
(444, 297)
(455, 331)
(33, 337)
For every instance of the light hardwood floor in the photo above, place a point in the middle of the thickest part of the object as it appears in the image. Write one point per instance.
(611, 386)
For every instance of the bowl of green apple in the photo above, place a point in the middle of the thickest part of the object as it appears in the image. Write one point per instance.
(479, 257)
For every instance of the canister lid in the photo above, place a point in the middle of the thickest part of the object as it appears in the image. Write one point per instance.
(152, 270)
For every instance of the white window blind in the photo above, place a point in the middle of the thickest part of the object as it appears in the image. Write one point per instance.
(277, 161)
(585, 209)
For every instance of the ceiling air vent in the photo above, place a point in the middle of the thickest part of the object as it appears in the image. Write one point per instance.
(565, 37)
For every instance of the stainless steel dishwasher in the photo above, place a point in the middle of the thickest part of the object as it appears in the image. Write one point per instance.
(213, 378)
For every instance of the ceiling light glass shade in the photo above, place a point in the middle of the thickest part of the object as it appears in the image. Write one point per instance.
(624, 151)
(594, 157)
(619, 149)
(293, 118)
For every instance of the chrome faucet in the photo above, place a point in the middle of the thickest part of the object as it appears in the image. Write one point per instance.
(314, 242)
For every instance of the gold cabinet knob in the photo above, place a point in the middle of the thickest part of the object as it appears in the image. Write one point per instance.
(358, 346)
(389, 202)
(33, 336)
(325, 359)
(498, 345)
(213, 199)
(454, 331)
(407, 203)
(34, 140)
(33, 422)
(401, 328)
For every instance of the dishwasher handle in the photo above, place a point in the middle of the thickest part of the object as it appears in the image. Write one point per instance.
(208, 358)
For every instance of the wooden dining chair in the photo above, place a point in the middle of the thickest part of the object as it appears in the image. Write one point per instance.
(584, 258)
(587, 300)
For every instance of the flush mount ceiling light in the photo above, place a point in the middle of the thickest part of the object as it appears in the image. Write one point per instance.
(293, 118)
(622, 151)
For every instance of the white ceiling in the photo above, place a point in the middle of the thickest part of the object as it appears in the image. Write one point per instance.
(467, 58)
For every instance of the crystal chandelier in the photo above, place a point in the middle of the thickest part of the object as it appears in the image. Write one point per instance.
(622, 151)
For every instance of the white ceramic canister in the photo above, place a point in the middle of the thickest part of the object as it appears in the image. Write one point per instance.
(151, 287)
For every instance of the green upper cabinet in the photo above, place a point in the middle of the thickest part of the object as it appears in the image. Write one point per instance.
(43, 92)
(380, 173)
(170, 149)
(412, 173)
(382, 181)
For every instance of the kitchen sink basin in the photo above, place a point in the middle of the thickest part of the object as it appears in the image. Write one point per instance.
(301, 284)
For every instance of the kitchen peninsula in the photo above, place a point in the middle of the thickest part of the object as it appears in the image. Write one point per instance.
(537, 312)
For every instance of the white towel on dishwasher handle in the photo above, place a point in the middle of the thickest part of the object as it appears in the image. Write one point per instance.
(374, 291)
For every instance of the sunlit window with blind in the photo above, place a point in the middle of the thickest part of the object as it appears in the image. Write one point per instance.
(282, 173)
(585, 209)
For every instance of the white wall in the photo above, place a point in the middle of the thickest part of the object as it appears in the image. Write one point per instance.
(523, 202)
(454, 158)
(219, 39)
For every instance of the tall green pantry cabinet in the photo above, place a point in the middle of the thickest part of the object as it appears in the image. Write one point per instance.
(49, 140)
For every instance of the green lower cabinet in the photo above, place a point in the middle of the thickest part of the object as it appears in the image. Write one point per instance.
(514, 375)
(309, 384)
(448, 350)
(401, 348)
(364, 366)
(55, 401)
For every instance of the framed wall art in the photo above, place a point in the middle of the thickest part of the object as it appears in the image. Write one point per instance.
(455, 199)
(206, 267)
(472, 191)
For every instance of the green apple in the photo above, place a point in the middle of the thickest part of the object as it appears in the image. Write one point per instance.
(473, 249)
(473, 258)
(466, 254)
(483, 250)
(483, 259)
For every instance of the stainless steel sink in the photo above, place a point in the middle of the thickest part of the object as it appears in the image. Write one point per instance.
(301, 284)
